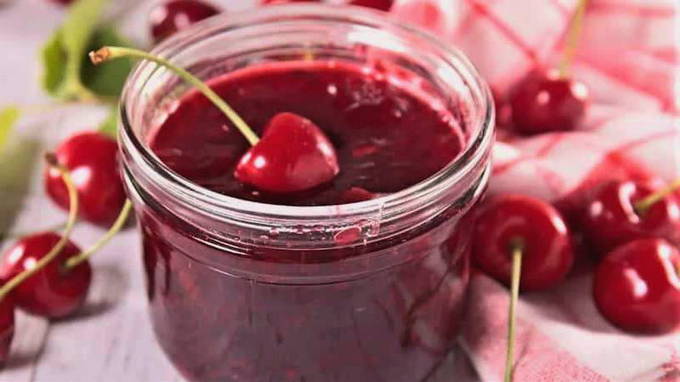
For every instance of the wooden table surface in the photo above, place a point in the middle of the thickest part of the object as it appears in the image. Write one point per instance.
(111, 339)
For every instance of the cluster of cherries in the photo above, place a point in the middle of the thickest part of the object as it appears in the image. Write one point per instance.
(45, 273)
(632, 231)
(631, 228)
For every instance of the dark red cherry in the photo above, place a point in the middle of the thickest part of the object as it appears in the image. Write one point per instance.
(6, 327)
(610, 218)
(506, 220)
(171, 16)
(273, 2)
(637, 288)
(382, 5)
(92, 159)
(54, 291)
(544, 102)
(292, 155)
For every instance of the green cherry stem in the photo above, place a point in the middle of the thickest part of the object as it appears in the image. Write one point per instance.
(572, 38)
(516, 248)
(70, 223)
(74, 261)
(111, 52)
(646, 203)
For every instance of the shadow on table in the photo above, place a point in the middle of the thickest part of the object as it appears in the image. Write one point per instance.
(109, 286)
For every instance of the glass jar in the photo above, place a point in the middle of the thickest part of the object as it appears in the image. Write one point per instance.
(245, 291)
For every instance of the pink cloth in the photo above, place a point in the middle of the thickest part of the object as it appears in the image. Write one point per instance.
(628, 57)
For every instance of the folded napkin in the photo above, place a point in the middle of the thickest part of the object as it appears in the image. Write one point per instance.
(628, 55)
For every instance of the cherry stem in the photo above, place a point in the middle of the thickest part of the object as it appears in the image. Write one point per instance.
(113, 52)
(642, 205)
(76, 260)
(516, 248)
(573, 35)
(57, 248)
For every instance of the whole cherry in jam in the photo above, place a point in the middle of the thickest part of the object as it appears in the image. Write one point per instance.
(637, 287)
(171, 16)
(54, 291)
(92, 159)
(292, 155)
(381, 5)
(546, 101)
(62, 2)
(617, 214)
(6, 327)
(510, 222)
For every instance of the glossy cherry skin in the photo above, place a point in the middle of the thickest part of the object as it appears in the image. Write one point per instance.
(637, 288)
(6, 328)
(545, 102)
(547, 254)
(293, 155)
(382, 5)
(171, 16)
(54, 291)
(92, 159)
(610, 218)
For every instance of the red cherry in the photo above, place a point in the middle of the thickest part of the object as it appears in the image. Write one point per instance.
(637, 288)
(273, 2)
(53, 291)
(92, 159)
(62, 2)
(382, 5)
(293, 155)
(6, 328)
(610, 218)
(172, 16)
(545, 102)
(546, 243)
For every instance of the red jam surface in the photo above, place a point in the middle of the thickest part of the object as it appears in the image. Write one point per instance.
(394, 323)
(386, 138)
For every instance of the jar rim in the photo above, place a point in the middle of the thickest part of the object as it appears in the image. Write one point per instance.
(388, 206)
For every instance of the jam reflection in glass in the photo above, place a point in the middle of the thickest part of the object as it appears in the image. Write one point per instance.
(391, 324)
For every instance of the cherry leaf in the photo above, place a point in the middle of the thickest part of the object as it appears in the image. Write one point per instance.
(67, 72)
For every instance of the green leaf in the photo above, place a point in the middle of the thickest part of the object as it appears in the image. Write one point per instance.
(54, 63)
(8, 117)
(110, 125)
(106, 79)
(67, 72)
